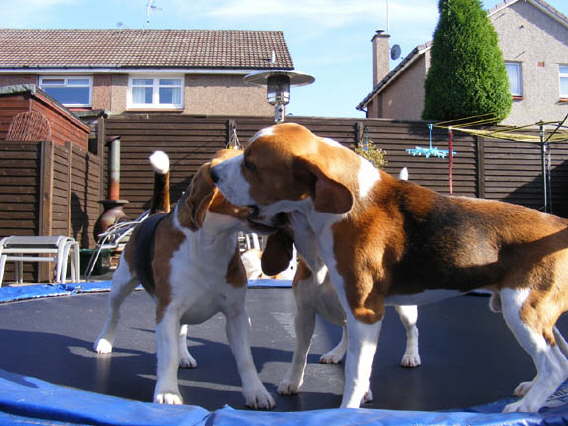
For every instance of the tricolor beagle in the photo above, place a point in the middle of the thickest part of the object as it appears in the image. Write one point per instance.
(188, 260)
(390, 241)
(314, 294)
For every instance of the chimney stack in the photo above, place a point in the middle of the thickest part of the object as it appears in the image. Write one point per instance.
(381, 55)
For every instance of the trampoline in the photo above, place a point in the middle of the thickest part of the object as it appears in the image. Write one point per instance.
(50, 374)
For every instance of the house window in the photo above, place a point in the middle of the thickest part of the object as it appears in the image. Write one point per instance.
(156, 92)
(70, 91)
(563, 72)
(515, 78)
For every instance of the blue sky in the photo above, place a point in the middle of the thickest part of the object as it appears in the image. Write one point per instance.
(329, 39)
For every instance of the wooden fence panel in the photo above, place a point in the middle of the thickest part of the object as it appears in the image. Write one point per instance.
(508, 171)
(189, 142)
(20, 194)
(19, 188)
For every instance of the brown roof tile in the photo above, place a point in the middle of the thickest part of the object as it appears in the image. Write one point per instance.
(143, 49)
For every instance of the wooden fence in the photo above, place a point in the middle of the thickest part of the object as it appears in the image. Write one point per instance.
(48, 189)
(499, 170)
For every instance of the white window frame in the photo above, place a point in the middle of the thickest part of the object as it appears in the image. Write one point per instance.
(155, 91)
(562, 74)
(66, 79)
(518, 65)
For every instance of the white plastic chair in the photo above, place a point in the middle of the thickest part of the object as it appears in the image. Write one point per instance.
(33, 249)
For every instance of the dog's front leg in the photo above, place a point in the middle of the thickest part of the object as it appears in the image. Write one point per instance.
(304, 323)
(167, 351)
(362, 343)
(256, 395)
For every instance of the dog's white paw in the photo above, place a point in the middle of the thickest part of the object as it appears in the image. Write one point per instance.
(258, 398)
(522, 389)
(331, 358)
(368, 397)
(288, 387)
(102, 346)
(522, 406)
(187, 361)
(172, 398)
(410, 361)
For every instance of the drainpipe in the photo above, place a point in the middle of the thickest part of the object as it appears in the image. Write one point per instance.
(112, 206)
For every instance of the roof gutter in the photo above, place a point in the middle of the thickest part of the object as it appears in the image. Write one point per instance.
(92, 70)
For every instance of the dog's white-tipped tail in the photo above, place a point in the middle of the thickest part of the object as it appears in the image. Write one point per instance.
(161, 197)
(160, 162)
(403, 174)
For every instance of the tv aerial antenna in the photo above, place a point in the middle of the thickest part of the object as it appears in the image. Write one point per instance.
(150, 7)
(387, 14)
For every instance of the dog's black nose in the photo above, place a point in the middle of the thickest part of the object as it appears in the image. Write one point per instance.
(214, 175)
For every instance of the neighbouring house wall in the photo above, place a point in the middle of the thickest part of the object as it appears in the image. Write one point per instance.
(102, 91)
(540, 43)
(212, 94)
(403, 98)
(118, 94)
(11, 79)
(203, 95)
(225, 95)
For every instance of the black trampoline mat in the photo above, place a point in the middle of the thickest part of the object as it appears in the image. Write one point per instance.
(469, 357)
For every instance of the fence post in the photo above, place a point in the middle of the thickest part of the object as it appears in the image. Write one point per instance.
(480, 165)
(45, 201)
(69, 149)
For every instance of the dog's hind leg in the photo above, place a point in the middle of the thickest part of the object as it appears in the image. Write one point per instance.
(408, 315)
(123, 283)
(524, 387)
(304, 324)
(185, 358)
(335, 355)
(560, 341)
(550, 362)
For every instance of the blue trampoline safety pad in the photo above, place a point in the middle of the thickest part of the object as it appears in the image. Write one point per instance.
(25, 400)
(14, 294)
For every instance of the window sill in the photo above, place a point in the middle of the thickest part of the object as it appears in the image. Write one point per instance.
(563, 101)
(154, 110)
(518, 98)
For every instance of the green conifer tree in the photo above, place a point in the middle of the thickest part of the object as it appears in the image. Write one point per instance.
(467, 75)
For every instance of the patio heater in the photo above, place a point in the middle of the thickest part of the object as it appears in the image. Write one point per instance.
(112, 206)
(278, 85)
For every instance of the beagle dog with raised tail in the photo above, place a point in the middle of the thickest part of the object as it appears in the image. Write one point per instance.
(389, 241)
(314, 294)
(188, 260)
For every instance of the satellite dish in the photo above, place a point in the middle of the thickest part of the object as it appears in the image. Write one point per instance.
(395, 52)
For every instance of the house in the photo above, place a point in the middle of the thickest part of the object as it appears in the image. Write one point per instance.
(122, 70)
(534, 39)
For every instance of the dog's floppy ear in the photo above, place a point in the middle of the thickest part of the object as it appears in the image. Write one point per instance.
(329, 195)
(200, 196)
(278, 253)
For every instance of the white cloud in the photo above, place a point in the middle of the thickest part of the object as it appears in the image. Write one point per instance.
(27, 13)
(319, 13)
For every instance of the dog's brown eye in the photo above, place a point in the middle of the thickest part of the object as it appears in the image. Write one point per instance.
(248, 165)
